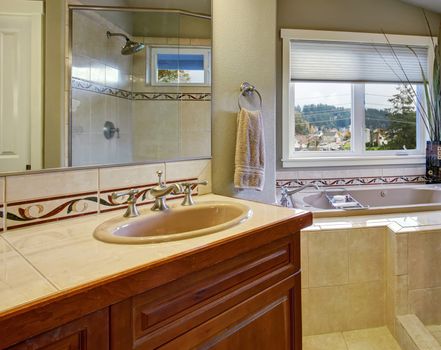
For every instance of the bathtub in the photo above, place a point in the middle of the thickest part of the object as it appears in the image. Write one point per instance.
(374, 200)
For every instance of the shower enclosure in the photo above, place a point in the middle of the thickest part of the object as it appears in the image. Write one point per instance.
(140, 86)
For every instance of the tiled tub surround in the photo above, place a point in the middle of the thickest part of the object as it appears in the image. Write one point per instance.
(38, 198)
(55, 257)
(370, 271)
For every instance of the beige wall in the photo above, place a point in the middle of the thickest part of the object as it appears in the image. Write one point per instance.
(244, 40)
(390, 16)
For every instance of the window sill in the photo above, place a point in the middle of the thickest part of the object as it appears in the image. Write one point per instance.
(348, 161)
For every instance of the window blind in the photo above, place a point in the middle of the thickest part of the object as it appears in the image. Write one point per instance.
(356, 62)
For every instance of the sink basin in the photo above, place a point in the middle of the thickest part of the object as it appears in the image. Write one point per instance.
(175, 224)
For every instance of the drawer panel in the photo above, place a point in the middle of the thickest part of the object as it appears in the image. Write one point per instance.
(207, 293)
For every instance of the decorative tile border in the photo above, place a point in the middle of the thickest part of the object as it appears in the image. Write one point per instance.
(86, 85)
(162, 96)
(383, 180)
(38, 211)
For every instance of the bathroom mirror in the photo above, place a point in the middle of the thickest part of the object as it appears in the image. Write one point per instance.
(124, 82)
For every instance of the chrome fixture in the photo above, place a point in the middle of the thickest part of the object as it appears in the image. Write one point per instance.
(187, 188)
(286, 195)
(109, 130)
(248, 90)
(161, 191)
(132, 210)
(131, 47)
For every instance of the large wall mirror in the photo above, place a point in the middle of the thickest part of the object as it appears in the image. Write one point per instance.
(104, 82)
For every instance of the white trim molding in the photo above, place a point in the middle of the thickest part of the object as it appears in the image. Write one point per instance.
(332, 161)
(357, 156)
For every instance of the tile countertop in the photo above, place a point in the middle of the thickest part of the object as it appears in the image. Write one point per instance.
(44, 260)
(396, 222)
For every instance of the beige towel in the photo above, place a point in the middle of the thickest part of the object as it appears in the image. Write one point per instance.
(250, 151)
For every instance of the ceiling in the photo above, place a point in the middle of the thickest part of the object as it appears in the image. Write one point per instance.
(434, 5)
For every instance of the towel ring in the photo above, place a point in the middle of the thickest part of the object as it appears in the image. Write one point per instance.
(246, 89)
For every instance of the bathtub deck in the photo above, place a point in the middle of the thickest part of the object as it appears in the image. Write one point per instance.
(436, 331)
(364, 339)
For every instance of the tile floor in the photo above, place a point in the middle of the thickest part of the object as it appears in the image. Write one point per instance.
(436, 331)
(365, 339)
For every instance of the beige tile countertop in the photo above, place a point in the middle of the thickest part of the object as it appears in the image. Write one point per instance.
(44, 260)
(396, 222)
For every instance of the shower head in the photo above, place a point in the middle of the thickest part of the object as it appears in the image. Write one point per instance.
(131, 47)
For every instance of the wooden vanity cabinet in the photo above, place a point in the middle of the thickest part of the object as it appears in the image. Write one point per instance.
(240, 293)
(251, 301)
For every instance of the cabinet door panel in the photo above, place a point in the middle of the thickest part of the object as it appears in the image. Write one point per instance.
(262, 322)
(267, 329)
(88, 333)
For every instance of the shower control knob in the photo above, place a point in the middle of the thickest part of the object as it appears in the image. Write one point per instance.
(110, 130)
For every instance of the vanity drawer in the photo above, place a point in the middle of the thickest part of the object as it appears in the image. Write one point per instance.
(165, 312)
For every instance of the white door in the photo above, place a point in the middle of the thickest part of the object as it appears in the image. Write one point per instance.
(20, 85)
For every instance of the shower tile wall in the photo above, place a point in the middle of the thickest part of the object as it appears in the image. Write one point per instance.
(98, 59)
(176, 128)
(164, 128)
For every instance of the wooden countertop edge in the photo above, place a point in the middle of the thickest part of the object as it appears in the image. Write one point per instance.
(62, 307)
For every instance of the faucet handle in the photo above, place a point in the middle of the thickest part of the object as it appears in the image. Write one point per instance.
(132, 195)
(188, 187)
(132, 210)
(160, 182)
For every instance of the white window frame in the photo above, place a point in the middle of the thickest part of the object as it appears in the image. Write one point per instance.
(200, 50)
(355, 157)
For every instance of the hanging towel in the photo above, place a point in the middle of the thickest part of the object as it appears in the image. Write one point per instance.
(250, 151)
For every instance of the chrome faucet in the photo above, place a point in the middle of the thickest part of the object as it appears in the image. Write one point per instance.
(285, 193)
(132, 210)
(187, 188)
(160, 193)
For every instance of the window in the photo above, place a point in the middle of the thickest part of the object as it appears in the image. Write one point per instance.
(181, 66)
(323, 117)
(349, 98)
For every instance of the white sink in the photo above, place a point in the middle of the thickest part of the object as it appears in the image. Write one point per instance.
(174, 224)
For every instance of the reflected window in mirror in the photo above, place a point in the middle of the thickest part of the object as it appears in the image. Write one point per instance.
(181, 66)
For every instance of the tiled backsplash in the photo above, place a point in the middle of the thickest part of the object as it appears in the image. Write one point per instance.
(32, 199)
(352, 177)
